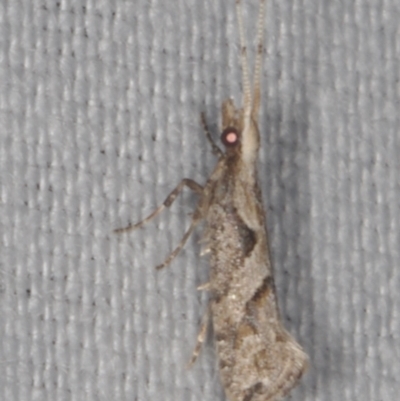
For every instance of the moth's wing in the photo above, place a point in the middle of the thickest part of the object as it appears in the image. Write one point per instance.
(267, 361)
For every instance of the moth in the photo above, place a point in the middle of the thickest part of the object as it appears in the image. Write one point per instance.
(258, 359)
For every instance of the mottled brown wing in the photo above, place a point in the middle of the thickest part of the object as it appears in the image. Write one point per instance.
(259, 360)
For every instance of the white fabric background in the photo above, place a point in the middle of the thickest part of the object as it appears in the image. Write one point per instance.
(100, 103)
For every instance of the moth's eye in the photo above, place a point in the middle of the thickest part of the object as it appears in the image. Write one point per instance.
(230, 137)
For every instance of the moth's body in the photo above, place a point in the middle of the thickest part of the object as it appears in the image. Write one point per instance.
(258, 359)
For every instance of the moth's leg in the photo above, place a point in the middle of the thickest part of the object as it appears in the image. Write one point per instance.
(204, 287)
(215, 149)
(193, 185)
(201, 336)
(195, 220)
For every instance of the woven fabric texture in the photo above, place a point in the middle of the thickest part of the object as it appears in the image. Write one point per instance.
(100, 106)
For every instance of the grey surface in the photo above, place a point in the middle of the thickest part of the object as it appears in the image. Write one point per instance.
(99, 107)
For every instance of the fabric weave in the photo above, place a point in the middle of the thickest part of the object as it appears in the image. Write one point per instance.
(100, 107)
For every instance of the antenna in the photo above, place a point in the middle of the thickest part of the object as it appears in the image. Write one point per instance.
(244, 62)
(251, 104)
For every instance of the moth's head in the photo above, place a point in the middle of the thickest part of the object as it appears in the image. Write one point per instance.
(239, 132)
(232, 126)
(230, 138)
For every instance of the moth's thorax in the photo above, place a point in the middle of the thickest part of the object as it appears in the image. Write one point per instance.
(235, 231)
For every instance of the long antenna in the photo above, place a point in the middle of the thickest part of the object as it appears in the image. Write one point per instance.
(258, 61)
(244, 61)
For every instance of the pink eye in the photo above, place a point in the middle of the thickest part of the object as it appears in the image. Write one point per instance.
(230, 137)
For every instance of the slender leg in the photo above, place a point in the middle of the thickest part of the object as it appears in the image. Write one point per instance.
(201, 337)
(193, 185)
(215, 149)
(204, 287)
(195, 220)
